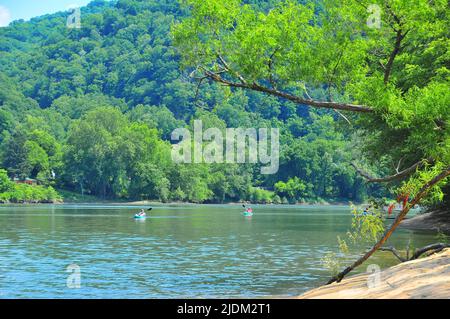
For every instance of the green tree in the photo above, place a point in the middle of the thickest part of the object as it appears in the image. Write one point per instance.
(293, 189)
(110, 156)
(5, 184)
(94, 159)
(31, 154)
(395, 76)
(159, 117)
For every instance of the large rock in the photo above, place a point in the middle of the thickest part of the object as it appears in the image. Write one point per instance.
(422, 278)
(435, 220)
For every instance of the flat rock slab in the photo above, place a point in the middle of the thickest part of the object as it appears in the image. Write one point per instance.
(436, 220)
(424, 278)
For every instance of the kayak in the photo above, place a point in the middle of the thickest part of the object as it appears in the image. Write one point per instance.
(248, 214)
(139, 216)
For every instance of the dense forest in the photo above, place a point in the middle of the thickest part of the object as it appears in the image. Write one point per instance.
(91, 110)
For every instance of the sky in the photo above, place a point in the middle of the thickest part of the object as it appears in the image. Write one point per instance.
(25, 9)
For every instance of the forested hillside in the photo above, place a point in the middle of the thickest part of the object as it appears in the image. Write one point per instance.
(91, 110)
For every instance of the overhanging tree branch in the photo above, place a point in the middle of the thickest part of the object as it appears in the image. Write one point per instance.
(400, 175)
(293, 98)
(422, 192)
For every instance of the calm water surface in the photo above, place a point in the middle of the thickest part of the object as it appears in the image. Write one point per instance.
(179, 252)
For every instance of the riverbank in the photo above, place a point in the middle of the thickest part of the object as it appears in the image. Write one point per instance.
(76, 198)
(438, 220)
(425, 278)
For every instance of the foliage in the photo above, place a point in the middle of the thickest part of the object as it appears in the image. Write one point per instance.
(367, 227)
(32, 154)
(91, 110)
(324, 51)
(260, 196)
(292, 189)
(412, 186)
(24, 193)
(330, 261)
(5, 184)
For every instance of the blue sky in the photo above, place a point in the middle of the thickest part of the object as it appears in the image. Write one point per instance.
(25, 9)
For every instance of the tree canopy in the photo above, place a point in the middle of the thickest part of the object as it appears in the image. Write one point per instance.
(395, 76)
(80, 103)
(392, 73)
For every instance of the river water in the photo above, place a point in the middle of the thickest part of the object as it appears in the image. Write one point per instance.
(180, 251)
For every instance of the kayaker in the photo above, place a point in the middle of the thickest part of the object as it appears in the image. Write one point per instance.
(249, 210)
(141, 213)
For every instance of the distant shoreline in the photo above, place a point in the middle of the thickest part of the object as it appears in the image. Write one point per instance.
(156, 203)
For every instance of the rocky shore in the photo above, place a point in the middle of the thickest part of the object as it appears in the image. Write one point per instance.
(425, 278)
(434, 220)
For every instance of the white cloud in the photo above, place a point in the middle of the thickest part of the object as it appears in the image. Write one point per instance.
(5, 16)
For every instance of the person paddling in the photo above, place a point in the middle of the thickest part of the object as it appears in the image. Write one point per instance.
(141, 213)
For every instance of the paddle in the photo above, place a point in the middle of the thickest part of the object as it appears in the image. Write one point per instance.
(246, 210)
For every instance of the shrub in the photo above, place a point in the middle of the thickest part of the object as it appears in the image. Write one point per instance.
(276, 199)
(24, 193)
(260, 196)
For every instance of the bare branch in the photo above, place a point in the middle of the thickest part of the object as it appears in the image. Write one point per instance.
(306, 92)
(343, 116)
(296, 99)
(227, 67)
(406, 172)
(203, 77)
(397, 169)
(394, 252)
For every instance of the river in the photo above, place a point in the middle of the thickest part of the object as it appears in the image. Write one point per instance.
(181, 251)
